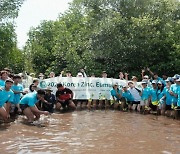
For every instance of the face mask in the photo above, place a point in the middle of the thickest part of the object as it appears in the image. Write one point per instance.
(41, 78)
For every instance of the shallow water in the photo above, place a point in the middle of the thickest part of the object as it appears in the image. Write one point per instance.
(103, 132)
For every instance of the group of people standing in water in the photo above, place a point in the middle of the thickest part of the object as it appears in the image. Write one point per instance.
(154, 95)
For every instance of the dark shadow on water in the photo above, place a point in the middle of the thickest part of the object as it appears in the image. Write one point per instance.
(4, 126)
(63, 111)
(33, 124)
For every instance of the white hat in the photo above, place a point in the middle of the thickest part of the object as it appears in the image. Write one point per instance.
(159, 82)
(48, 89)
(115, 84)
(146, 76)
(178, 80)
(125, 86)
(144, 82)
(154, 82)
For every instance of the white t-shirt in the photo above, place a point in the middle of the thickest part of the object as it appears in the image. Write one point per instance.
(135, 94)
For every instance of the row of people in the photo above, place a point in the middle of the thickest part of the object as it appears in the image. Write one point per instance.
(129, 96)
(152, 95)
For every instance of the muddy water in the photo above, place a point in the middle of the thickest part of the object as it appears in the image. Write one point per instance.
(93, 132)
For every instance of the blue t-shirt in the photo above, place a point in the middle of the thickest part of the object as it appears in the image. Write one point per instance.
(29, 99)
(145, 93)
(178, 93)
(2, 83)
(128, 95)
(178, 102)
(153, 94)
(169, 97)
(174, 89)
(6, 96)
(17, 88)
(114, 93)
(160, 94)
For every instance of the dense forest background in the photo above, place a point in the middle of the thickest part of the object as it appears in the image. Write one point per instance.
(111, 35)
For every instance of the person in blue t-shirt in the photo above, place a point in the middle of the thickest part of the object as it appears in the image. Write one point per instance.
(160, 94)
(116, 94)
(128, 96)
(145, 95)
(174, 91)
(28, 105)
(153, 96)
(6, 98)
(4, 77)
(18, 90)
(168, 97)
(178, 93)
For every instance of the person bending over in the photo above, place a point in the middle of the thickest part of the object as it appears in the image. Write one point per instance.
(6, 98)
(28, 105)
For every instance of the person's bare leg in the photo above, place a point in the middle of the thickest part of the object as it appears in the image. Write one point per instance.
(79, 105)
(7, 107)
(58, 106)
(94, 104)
(28, 113)
(72, 105)
(3, 114)
(84, 105)
(100, 104)
(37, 115)
(89, 104)
(116, 105)
(138, 107)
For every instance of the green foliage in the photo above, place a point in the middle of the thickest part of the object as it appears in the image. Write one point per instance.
(111, 35)
(9, 8)
(10, 56)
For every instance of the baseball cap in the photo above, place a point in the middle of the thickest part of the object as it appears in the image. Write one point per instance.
(48, 89)
(178, 80)
(154, 82)
(144, 82)
(176, 76)
(9, 80)
(159, 82)
(146, 77)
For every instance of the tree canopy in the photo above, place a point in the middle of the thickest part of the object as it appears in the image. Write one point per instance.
(10, 55)
(111, 35)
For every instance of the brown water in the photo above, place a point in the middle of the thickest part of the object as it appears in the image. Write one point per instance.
(93, 132)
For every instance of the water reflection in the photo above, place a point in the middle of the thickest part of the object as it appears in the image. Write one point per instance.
(93, 132)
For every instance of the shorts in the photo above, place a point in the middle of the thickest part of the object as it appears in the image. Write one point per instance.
(129, 102)
(23, 106)
(135, 102)
(144, 102)
(153, 107)
(65, 103)
(168, 107)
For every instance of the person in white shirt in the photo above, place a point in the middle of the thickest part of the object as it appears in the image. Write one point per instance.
(135, 92)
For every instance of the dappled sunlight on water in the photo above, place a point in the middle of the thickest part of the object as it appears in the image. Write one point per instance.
(92, 132)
